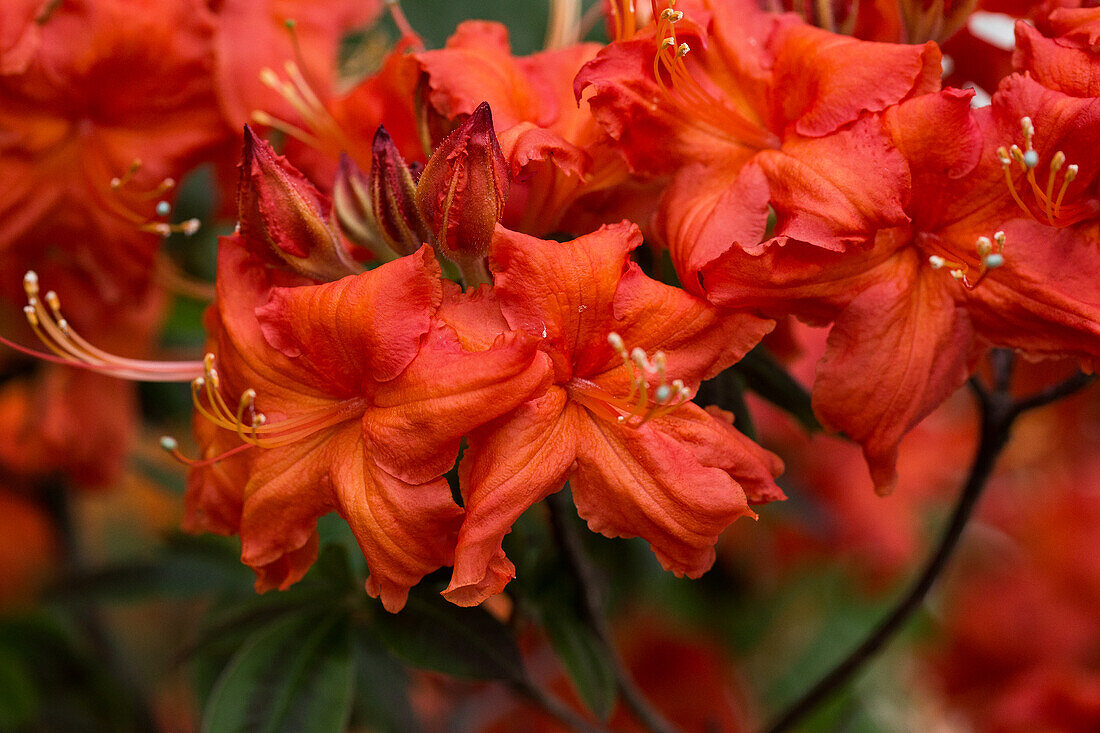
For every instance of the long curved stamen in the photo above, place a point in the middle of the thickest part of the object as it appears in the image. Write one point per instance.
(689, 97)
(1053, 212)
(122, 185)
(252, 426)
(644, 402)
(321, 130)
(990, 257)
(172, 447)
(69, 347)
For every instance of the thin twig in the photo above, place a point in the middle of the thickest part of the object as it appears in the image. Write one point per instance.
(998, 413)
(1054, 393)
(592, 608)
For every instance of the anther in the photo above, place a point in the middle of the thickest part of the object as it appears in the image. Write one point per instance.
(163, 208)
(985, 246)
(1031, 159)
(168, 443)
(936, 262)
(30, 283)
(683, 49)
(1071, 172)
(993, 260)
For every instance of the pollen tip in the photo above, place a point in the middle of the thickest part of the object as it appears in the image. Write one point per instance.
(1031, 158)
(936, 262)
(993, 260)
(190, 226)
(168, 443)
(163, 208)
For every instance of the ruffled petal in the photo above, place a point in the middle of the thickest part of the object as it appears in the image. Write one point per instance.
(404, 530)
(509, 466)
(418, 419)
(361, 327)
(894, 354)
(646, 482)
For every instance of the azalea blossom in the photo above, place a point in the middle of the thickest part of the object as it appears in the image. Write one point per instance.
(641, 458)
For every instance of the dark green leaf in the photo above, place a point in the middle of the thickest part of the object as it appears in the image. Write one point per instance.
(585, 660)
(294, 675)
(767, 377)
(381, 696)
(431, 633)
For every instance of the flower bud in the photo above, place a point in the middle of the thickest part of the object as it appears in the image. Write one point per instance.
(283, 215)
(464, 186)
(379, 211)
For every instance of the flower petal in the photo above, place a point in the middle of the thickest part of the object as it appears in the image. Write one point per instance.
(405, 531)
(896, 352)
(508, 467)
(646, 482)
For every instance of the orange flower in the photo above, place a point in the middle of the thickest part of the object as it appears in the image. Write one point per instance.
(347, 396)
(751, 110)
(641, 458)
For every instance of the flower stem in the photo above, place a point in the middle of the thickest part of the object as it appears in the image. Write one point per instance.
(593, 612)
(998, 413)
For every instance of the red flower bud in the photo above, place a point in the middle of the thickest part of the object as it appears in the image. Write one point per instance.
(464, 186)
(283, 215)
(379, 211)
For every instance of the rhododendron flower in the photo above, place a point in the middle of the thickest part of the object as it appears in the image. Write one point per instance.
(347, 396)
(94, 136)
(908, 309)
(642, 460)
(751, 110)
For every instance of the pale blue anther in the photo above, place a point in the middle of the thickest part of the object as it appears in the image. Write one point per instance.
(163, 208)
(1031, 159)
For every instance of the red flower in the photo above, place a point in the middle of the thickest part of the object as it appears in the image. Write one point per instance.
(347, 396)
(898, 314)
(642, 460)
(752, 110)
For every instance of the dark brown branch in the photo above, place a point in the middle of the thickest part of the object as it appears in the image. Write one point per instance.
(998, 413)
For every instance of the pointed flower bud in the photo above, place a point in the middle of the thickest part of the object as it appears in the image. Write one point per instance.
(379, 211)
(283, 215)
(464, 187)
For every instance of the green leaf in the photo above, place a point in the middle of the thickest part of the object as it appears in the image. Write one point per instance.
(431, 633)
(767, 377)
(585, 660)
(19, 697)
(382, 700)
(294, 675)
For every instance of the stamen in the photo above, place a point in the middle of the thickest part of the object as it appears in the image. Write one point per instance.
(70, 348)
(1051, 205)
(643, 403)
(252, 426)
(321, 130)
(990, 256)
(120, 187)
(694, 103)
(172, 447)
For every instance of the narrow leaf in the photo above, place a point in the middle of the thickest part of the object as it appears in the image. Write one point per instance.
(294, 675)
